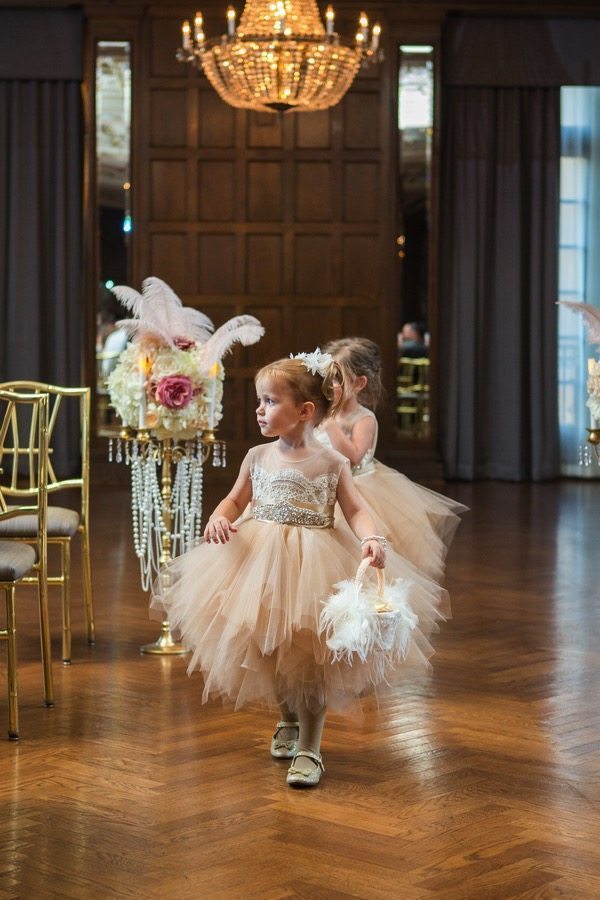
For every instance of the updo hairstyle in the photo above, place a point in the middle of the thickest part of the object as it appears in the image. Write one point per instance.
(304, 386)
(359, 356)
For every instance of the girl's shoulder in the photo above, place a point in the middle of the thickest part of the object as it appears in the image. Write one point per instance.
(363, 412)
(358, 415)
(332, 457)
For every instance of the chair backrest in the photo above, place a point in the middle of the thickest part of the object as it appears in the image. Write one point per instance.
(24, 456)
(57, 398)
(413, 373)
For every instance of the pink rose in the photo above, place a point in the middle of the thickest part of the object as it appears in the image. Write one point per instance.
(174, 391)
(183, 343)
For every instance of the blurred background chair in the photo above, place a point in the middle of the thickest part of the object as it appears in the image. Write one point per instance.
(64, 523)
(23, 470)
(107, 423)
(412, 392)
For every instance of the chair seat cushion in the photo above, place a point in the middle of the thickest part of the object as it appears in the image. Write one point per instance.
(16, 560)
(62, 522)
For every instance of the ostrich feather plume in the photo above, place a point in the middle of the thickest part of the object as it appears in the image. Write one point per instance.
(158, 313)
(591, 315)
(245, 330)
(356, 631)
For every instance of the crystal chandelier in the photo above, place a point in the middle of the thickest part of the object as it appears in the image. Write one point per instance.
(280, 58)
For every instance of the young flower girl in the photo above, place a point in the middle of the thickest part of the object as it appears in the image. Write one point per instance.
(420, 523)
(247, 601)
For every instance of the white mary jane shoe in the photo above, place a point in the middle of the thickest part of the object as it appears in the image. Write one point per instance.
(300, 778)
(284, 749)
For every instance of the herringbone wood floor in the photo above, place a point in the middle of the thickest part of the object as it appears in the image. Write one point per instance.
(480, 780)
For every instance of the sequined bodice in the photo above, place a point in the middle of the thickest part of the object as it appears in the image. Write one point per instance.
(347, 424)
(298, 493)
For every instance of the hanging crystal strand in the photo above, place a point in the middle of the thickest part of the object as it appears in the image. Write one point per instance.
(199, 489)
(119, 452)
(223, 454)
(216, 460)
(110, 449)
(192, 501)
(178, 506)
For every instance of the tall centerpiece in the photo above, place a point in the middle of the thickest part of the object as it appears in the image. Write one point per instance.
(167, 388)
(591, 315)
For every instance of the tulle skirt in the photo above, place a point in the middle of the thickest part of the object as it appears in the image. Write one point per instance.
(249, 613)
(419, 523)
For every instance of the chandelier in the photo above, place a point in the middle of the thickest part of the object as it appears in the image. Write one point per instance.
(280, 57)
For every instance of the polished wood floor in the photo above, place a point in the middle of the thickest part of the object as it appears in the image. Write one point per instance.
(480, 780)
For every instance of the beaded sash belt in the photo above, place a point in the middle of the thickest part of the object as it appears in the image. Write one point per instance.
(289, 514)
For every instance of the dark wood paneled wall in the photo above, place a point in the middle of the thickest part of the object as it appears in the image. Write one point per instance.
(288, 218)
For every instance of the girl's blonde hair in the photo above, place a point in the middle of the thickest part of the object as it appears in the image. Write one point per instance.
(304, 386)
(359, 356)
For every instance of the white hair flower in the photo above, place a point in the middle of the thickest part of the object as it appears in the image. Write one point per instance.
(316, 362)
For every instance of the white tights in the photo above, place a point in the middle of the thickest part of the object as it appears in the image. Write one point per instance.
(311, 731)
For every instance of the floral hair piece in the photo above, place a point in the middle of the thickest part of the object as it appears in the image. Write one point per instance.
(316, 362)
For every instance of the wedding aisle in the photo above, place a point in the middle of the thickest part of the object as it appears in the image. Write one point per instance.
(480, 780)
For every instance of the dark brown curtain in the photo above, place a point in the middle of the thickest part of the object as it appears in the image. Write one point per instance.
(41, 140)
(501, 155)
(499, 238)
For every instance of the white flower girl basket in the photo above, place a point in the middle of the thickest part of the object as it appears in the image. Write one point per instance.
(369, 622)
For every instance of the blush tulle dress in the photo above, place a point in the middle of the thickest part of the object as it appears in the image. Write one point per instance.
(419, 523)
(249, 609)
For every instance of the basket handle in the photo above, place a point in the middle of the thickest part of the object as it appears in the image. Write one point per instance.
(360, 575)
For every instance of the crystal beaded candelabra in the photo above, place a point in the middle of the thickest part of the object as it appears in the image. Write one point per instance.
(589, 451)
(166, 503)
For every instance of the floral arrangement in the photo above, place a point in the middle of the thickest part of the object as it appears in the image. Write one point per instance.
(165, 390)
(591, 316)
(169, 379)
(593, 388)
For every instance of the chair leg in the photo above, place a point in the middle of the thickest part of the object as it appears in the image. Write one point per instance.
(65, 562)
(45, 632)
(13, 687)
(87, 585)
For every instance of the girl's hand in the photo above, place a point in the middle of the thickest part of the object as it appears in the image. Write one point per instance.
(376, 552)
(218, 530)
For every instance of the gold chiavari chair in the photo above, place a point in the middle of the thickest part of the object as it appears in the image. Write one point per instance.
(106, 421)
(64, 523)
(24, 415)
(412, 392)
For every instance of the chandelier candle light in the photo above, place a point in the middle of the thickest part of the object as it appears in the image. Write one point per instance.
(280, 57)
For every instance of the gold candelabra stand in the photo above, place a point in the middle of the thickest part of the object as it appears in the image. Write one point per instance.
(153, 504)
(593, 438)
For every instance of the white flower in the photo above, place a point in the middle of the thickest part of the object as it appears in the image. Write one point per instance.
(125, 388)
(316, 362)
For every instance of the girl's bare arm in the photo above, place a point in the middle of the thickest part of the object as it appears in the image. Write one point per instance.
(220, 525)
(355, 446)
(358, 517)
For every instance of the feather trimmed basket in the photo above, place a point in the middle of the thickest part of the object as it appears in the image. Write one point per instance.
(369, 621)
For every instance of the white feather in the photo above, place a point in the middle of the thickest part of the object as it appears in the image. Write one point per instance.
(245, 330)
(355, 630)
(159, 313)
(129, 298)
(165, 310)
(591, 315)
